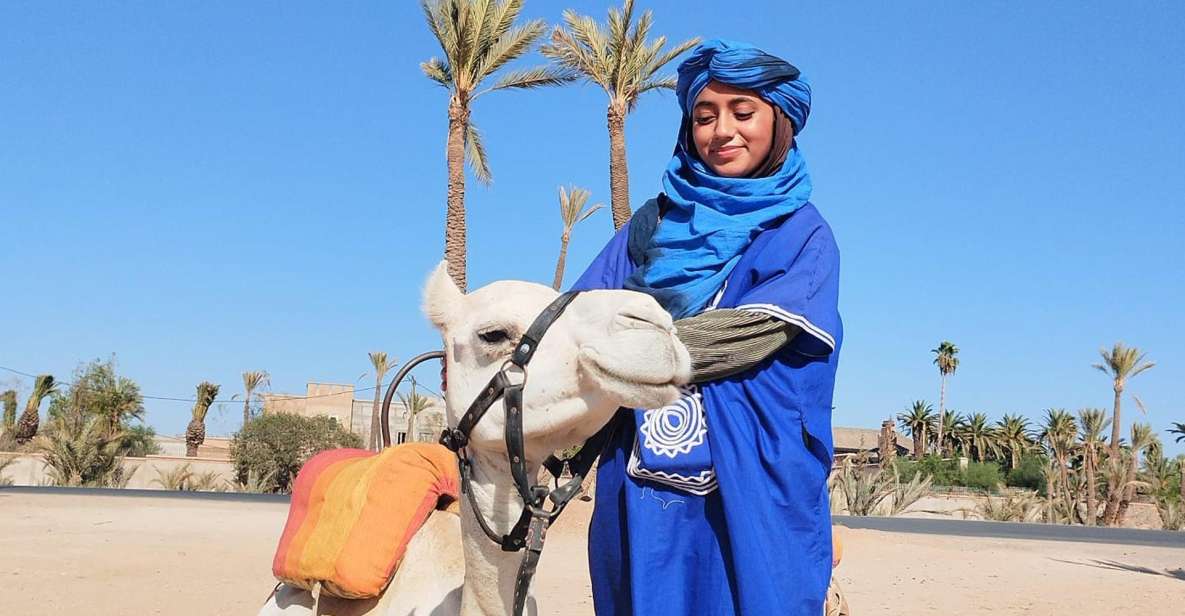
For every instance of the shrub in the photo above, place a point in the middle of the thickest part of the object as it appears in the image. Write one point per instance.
(944, 472)
(139, 441)
(276, 446)
(1028, 474)
(982, 475)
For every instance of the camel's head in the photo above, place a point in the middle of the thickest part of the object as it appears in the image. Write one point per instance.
(609, 349)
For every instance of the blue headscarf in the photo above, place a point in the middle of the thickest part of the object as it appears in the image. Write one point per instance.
(710, 219)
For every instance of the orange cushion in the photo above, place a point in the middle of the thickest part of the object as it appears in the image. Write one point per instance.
(353, 513)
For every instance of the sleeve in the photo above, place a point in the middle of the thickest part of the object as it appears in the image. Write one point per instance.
(726, 341)
(610, 268)
(800, 286)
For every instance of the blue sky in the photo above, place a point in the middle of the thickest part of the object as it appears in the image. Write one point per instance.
(207, 188)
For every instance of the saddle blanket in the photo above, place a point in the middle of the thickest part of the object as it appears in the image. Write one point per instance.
(354, 512)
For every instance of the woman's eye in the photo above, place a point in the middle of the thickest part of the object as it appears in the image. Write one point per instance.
(494, 336)
(704, 119)
(744, 116)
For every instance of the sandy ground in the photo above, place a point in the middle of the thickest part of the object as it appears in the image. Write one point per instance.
(67, 554)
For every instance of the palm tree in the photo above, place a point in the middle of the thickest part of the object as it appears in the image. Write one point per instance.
(572, 211)
(946, 357)
(1091, 425)
(195, 433)
(1012, 434)
(26, 427)
(1058, 434)
(1142, 437)
(617, 57)
(947, 429)
(1178, 429)
(979, 436)
(414, 403)
(1121, 363)
(477, 38)
(252, 380)
(8, 398)
(378, 360)
(917, 420)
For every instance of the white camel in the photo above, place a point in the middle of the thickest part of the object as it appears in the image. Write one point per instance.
(609, 349)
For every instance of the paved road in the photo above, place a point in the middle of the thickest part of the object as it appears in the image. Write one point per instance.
(1013, 530)
(965, 528)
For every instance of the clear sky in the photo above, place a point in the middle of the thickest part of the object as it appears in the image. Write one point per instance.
(205, 188)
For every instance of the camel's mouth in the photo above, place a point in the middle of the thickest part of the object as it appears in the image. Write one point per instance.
(641, 384)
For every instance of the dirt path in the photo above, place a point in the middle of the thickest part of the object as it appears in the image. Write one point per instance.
(99, 556)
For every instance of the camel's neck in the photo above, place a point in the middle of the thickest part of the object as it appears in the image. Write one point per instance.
(490, 572)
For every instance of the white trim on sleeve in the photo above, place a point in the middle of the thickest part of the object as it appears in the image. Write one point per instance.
(796, 319)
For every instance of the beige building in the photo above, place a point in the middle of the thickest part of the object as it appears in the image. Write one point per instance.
(337, 401)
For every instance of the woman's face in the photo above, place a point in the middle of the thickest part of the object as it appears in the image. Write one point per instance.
(733, 129)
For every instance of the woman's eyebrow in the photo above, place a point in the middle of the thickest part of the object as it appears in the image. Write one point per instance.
(736, 100)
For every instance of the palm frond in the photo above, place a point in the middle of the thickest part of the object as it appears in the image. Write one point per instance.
(475, 153)
(538, 77)
(508, 47)
(438, 70)
(207, 392)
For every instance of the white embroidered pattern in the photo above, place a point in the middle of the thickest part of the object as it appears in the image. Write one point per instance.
(675, 428)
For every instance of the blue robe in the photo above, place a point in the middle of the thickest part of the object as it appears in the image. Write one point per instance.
(761, 542)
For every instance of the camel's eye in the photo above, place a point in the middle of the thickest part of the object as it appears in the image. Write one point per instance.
(494, 336)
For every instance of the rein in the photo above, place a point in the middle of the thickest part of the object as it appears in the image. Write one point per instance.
(529, 531)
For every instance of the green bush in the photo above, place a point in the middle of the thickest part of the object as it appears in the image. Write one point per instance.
(276, 446)
(944, 472)
(982, 475)
(1028, 474)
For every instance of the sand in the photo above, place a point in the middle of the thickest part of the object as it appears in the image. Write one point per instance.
(102, 555)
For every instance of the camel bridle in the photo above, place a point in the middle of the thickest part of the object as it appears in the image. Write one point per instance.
(529, 531)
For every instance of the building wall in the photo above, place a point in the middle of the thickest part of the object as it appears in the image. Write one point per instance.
(30, 470)
(337, 401)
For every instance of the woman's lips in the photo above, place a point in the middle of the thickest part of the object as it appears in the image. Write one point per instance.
(728, 152)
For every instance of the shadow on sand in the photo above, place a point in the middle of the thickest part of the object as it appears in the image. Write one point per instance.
(1178, 574)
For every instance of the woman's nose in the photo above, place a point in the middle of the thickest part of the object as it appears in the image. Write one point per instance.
(724, 128)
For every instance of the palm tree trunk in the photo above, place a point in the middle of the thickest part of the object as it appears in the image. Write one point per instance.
(1015, 457)
(247, 410)
(454, 222)
(376, 417)
(1063, 472)
(919, 440)
(941, 413)
(559, 266)
(1115, 427)
(619, 180)
(1129, 492)
(1092, 508)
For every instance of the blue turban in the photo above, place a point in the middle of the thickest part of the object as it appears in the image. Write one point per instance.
(744, 66)
(709, 220)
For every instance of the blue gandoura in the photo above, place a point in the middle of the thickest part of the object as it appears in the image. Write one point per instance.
(718, 504)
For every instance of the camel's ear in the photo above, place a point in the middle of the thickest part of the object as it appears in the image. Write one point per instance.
(441, 296)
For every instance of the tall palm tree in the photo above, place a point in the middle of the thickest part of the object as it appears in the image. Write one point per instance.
(477, 38)
(378, 361)
(1058, 433)
(1142, 437)
(572, 211)
(618, 57)
(252, 380)
(195, 433)
(414, 403)
(1012, 434)
(946, 357)
(1091, 425)
(1178, 429)
(26, 427)
(1121, 363)
(916, 420)
(8, 398)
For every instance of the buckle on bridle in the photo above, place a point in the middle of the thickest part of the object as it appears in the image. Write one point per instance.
(453, 439)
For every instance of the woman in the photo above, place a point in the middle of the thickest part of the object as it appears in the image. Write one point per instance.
(718, 504)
